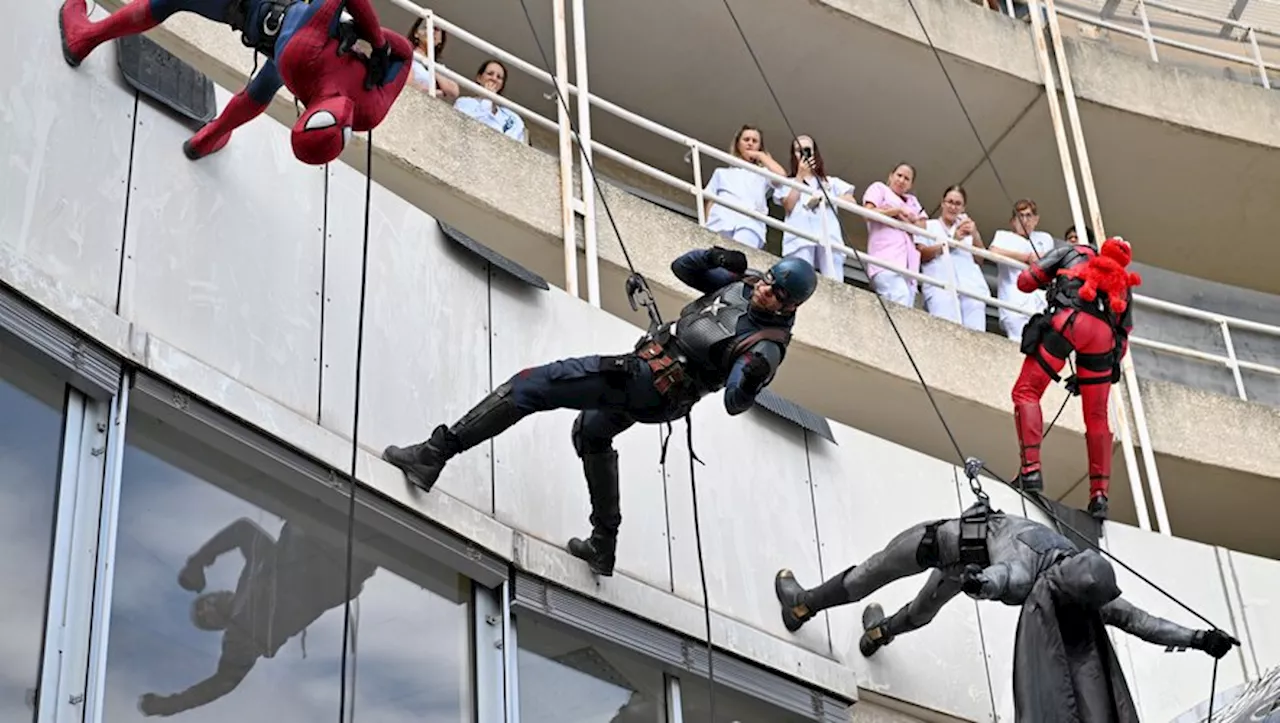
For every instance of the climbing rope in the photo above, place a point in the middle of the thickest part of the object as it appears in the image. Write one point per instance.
(639, 294)
(347, 636)
(971, 465)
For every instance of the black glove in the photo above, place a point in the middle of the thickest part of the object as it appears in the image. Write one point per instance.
(377, 64)
(972, 580)
(150, 704)
(755, 374)
(1215, 642)
(734, 261)
(191, 577)
(347, 37)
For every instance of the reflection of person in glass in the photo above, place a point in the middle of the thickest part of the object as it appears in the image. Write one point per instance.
(285, 585)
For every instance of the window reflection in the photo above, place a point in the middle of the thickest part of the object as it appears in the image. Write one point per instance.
(731, 706)
(230, 602)
(565, 679)
(30, 440)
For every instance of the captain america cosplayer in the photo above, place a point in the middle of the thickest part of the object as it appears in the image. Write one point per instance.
(1090, 312)
(308, 46)
(734, 337)
(1065, 669)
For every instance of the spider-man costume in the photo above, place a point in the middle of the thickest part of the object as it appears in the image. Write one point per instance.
(308, 49)
(1090, 313)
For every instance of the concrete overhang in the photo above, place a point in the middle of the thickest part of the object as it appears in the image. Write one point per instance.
(1182, 159)
(1216, 454)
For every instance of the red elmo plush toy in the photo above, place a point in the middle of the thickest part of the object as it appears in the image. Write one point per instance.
(1106, 272)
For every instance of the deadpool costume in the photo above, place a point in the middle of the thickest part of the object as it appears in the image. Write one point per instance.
(1065, 670)
(733, 338)
(309, 49)
(1089, 312)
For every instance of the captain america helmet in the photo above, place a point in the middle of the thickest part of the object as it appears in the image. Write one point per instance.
(793, 280)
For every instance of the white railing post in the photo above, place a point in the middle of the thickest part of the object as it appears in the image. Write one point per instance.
(584, 148)
(1144, 440)
(432, 89)
(1146, 31)
(1257, 58)
(699, 198)
(1055, 114)
(1231, 355)
(567, 218)
(1116, 403)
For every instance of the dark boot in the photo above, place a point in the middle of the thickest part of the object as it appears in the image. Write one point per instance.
(423, 462)
(1028, 422)
(798, 604)
(1098, 445)
(876, 634)
(599, 550)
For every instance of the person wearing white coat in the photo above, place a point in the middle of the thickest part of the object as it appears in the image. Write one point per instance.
(810, 212)
(743, 186)
(956, 265)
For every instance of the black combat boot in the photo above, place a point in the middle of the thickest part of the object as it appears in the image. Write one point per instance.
(423, 462)
(1098, 506)
(798, 604)
(601, 470)
(1032, 481)
(876, 630)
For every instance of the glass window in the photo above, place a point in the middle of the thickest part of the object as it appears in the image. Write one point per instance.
(564, 678)
(31, 405)
(230, 601)
(731, 706)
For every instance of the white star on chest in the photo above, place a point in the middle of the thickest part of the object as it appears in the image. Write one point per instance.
(716, 305)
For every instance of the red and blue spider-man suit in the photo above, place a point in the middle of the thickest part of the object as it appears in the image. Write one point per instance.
(1090, 312)
(307, 44)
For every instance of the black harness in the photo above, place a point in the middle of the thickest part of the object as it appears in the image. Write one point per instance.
(973, 539)
(1039, 333)
(263, 37)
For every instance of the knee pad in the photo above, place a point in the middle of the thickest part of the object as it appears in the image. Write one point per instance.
(585, 445)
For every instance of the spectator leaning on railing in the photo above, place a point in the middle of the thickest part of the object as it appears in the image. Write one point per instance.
(954, 264)
(809, 211)
(421, 78)
(893, 245)
(748, 188)
(493, 76)
(1024, 243)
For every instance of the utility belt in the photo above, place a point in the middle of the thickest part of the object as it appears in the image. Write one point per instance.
(670, 377)
(973, 540)
(263, 40)
(1039, 333)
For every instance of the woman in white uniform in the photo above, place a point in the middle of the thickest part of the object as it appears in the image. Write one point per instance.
(421, 78)
(743, 186)
(957, 265)
(809, 211)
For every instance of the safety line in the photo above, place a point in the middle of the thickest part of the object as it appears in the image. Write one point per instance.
(355, 421)
(655, 319)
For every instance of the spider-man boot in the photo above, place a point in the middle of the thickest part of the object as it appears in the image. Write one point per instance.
(1099, 446)
(80, 35)
(1028, 420)
(241, 109)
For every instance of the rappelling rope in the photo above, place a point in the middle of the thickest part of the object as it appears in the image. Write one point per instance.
(971, 465)
(355, 424)
(637, 285)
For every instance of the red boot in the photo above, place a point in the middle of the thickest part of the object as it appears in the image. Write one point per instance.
(215, 134)
(1099, 447)
(80, 35)
(1028, 420)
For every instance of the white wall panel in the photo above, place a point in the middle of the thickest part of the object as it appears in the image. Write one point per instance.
(426, 329)
(756, 514)
(224, 254)
(64, 152)
(866, 491)
(1167, 684)
(538, 481)
(1258, 581)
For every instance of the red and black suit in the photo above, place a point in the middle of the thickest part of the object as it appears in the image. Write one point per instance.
(1099, 336)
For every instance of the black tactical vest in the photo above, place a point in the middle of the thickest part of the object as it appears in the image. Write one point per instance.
(706, 335)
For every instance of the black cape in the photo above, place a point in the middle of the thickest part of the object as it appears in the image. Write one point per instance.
(1064, 668)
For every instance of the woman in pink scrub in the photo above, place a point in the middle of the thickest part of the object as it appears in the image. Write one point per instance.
(809, 210)
(747, 187)
(895, 246)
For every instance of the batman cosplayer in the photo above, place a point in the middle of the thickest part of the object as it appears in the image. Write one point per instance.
(1065, 670)
(733, 338)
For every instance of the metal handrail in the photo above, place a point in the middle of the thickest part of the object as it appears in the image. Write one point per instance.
(699, 149)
